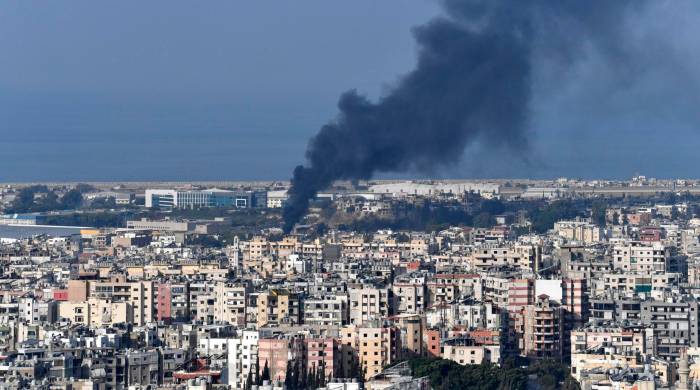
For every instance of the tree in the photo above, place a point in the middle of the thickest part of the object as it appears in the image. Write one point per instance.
(674, 213)
(543, 219)
(104, 203)
(87, 219)
(24, 200)
(257, 370)
(446, 374)
(484, 220)
(321, 380)
(35, 199)
(48, 202)
(403, 238)
(311, 381)
(289, 377)
(301, 375)
(72, 199)
(249, 380)
(598, 213)
(492, 206)
(321, 229)
(670, 198)
(265, 376)
(552, 374)
(354, 369)
(83, 188)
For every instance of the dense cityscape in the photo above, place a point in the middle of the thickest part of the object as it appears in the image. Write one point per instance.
(382, 285)
(357, 195)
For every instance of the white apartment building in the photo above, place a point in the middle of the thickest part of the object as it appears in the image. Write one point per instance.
(327, 310)
(367, 303)
(641, 258)
(242, 357)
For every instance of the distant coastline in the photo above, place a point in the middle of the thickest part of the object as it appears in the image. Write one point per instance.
(26, 231)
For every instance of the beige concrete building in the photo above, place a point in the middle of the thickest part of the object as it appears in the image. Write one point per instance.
(376, 347)
(77, 290)
(75, 312)
(411, 296)
(411, 327)
(464, 351)
(278, 306)
(96, 312)
(524, 256)
(140, 295)
(368, 303)
(581, 231)
(542, 329)
(230, 303)
(104, 313)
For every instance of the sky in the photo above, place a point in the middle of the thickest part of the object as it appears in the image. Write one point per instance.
(224, 90)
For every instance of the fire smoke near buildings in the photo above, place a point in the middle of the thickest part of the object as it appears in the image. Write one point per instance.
(472, 82)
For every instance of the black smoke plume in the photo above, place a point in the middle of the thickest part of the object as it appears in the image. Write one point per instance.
(472, 81)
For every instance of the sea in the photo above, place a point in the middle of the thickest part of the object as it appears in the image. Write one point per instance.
(14, 232)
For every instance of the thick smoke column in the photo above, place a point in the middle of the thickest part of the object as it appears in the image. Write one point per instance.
(472, 82)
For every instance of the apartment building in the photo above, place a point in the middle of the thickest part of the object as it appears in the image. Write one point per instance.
(172, 302)
(442, 292)
(201, 299)
(96, 312)
(641, 258)
(464, 351)
(609, 308)
(494, 289)
(140, 295)
(278, 306)
(280, 350)
(326, 310)
(370, 302)
(466, 284)
(521, 293)
(676, 325)
(242, 357)
(542, 329)
(575, 301)
(580, 231)
(466, 314)
(323, 353)
(411, 297)
(411, 327)
(523, 256)
(376, 346)
(230, 302)
(626, 339)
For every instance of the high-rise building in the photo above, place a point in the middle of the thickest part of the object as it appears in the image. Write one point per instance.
(542, 329)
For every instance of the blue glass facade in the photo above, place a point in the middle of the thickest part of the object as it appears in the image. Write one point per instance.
(207, 198)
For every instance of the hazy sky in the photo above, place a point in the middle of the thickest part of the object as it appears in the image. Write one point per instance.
(183, 90)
